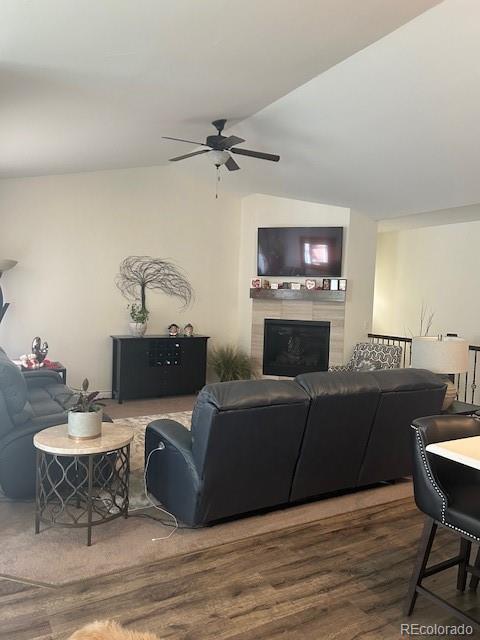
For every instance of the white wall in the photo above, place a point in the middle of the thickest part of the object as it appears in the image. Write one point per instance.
(360, 258)
(70, 233)
(437, 266)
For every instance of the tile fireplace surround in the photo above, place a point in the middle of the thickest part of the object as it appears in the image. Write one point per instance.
(333, 312)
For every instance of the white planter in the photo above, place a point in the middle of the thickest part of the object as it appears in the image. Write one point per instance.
(137, 329)
(85, 426)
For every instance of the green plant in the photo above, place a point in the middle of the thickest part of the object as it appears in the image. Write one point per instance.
(84, 401)
(138, 313)
(231, 363)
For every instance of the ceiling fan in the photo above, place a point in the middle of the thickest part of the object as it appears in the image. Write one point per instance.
(221, 147)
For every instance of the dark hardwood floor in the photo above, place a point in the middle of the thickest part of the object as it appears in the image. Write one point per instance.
(340, 578)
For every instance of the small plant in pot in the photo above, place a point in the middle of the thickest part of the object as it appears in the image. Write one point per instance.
(139, 316)
(86, 414)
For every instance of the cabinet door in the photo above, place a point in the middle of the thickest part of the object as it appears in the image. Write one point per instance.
(194, 364)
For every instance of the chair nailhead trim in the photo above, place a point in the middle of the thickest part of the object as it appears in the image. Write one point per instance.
(436, 487)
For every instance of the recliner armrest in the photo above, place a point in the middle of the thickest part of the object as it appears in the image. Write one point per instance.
(172, 476)
(173, 433)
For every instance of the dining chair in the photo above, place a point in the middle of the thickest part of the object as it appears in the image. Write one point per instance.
(448, 493)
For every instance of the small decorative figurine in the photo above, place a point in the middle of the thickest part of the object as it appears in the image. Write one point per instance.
(173, 329)
(188, 330)
(310, 284)
(39, 350)
(29, 361)
(256, 283)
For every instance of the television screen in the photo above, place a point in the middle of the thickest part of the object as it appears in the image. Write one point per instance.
(300, 251)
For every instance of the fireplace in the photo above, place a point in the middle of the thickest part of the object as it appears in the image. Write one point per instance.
(291, 347)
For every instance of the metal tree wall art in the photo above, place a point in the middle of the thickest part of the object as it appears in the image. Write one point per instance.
(139, 273)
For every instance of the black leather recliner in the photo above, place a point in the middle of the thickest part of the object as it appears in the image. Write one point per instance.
(266, 443)
(239, 456)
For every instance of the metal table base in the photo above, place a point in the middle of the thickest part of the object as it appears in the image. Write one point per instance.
(81, 491)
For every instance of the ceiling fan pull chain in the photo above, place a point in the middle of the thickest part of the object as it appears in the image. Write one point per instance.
(217, 183)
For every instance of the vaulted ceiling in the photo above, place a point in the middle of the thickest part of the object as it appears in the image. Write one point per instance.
(370, 104)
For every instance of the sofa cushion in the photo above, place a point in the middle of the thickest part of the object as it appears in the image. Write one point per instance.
(48, 401)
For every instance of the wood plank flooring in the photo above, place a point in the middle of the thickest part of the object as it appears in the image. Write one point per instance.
(340, 578)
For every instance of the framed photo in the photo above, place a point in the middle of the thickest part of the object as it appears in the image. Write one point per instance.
(326, 284)
(274, 285)
(296, 286)
(310, 284)
(334, 284)
(256, 283)
(342, 284)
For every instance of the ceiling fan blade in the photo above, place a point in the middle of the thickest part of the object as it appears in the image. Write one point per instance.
(231, 164)
(199, 144)
(230, 141)
(256, 154)
(190, 155)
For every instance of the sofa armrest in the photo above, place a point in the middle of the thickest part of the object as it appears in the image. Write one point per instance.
(172, 476)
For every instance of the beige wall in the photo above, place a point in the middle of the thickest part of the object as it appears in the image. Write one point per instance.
(437, 266)
(69, 234)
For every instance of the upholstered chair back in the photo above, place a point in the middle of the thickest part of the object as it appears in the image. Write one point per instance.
(434, 476)
(368, 356)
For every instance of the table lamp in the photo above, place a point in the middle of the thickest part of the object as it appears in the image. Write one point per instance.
(5, 265)
(445, 356)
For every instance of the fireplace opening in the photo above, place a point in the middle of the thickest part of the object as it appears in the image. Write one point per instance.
(291, 347)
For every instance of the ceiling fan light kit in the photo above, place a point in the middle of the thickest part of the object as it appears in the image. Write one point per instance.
(221, 147)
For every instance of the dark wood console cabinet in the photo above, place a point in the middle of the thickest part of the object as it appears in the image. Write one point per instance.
(155, 366)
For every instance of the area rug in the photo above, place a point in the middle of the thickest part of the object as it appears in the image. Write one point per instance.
(137, 498)
(59, 556)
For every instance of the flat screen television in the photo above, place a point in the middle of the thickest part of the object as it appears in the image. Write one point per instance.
(300, 251)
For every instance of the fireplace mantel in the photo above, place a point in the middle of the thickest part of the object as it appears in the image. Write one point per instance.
(315, 295)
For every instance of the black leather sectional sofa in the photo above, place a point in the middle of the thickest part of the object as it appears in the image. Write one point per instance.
(265, 443)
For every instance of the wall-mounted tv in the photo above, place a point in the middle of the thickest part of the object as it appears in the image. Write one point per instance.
(300, 251)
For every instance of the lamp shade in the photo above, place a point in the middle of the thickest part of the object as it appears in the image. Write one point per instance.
(5, 265)
(449, 355)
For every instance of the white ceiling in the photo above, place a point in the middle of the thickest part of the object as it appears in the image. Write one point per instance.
(392, 130)
(95, 84)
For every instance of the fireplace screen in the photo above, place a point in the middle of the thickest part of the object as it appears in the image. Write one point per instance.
(291, 347)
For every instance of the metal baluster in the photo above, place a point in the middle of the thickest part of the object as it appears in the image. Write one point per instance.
(474, 386)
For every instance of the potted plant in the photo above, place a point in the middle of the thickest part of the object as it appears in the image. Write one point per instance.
(85, 416)
(231, 363)
(139, 316)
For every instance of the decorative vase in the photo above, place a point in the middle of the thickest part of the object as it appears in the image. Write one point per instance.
(85, 426)
(137, 329)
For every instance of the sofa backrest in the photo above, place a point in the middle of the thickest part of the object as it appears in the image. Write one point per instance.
(14, 408)
(406, 394)
(338, 427)
(246, 438)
